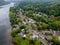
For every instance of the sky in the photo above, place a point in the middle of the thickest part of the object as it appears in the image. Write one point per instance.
(34, 0)
(12, 0)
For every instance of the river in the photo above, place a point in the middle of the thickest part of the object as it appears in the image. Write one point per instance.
(5, 38)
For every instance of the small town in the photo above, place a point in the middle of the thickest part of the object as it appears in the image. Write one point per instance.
(29, 22)
(28, 29)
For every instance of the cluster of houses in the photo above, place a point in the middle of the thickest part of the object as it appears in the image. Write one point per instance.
(42, 34)
(35, 34)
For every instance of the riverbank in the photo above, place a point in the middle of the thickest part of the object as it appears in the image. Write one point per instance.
(8, 36)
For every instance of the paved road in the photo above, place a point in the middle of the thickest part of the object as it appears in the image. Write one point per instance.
(43, 40)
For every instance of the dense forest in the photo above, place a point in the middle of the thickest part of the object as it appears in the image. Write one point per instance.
(50, 13)
(2, 2)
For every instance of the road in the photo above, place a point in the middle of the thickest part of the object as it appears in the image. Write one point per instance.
(42, 39)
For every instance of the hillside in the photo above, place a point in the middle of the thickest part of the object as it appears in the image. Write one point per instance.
(36, 0)
(2, 2)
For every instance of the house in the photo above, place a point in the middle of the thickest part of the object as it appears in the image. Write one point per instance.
(46, 32)
(57, 33)
(22, 35)
(16, 26)
(32, 37)
(24, 22)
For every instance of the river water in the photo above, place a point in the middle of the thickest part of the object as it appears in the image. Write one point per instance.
(4, 24)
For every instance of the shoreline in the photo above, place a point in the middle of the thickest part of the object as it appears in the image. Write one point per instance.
(8, 36)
